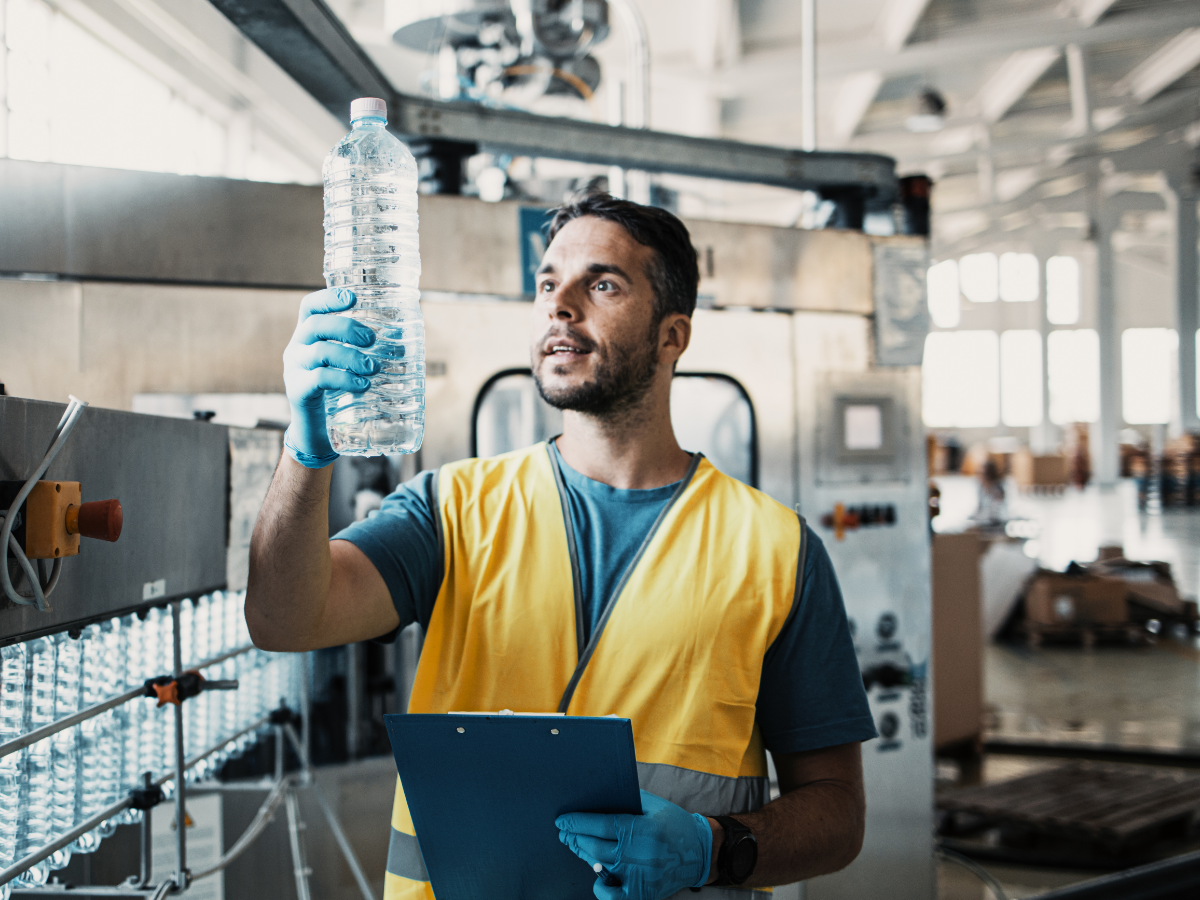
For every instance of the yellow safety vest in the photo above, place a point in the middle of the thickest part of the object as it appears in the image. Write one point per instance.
(678, 649)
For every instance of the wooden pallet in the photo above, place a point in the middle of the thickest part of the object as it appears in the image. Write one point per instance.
(1114, 806)
(1087, 635)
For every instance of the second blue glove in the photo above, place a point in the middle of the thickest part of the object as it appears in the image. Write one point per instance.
(655, 855)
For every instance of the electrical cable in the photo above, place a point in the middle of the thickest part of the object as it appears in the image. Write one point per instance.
(41, 591)
(261, 819)
(975, 869)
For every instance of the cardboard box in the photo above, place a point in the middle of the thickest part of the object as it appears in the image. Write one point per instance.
(1056, 599)
(957, 639)
(1040, 471)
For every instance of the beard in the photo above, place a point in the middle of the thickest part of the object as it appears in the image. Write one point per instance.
(621, 379)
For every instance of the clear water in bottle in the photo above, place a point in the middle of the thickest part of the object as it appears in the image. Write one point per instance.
(13, 694)
(371, 248)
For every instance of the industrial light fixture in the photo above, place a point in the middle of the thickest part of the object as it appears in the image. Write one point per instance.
(930, 114)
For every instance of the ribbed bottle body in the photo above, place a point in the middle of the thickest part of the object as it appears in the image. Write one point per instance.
(371, 247)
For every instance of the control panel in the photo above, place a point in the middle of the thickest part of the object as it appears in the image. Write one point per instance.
(863, 485)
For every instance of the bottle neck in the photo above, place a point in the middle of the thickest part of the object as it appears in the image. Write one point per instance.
(369, 122)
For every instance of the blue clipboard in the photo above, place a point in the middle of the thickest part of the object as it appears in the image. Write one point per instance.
(484, 791)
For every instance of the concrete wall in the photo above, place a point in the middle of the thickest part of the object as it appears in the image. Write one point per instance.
(105, 342)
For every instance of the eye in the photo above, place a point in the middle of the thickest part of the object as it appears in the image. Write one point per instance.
(605, 286)
(546, 287)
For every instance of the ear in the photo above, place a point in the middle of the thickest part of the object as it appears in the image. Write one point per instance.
(674, 335)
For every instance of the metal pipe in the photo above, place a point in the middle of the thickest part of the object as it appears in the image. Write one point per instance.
(299, 867)
(305, 700)
(353, 699)
(145, 856)
(261, 820)
(808, 74)
(637, 48)
(163, 779)
(181, 874)
(634, 184)
(49, 849)
(92, 711)
(1081, 112)
(340, 836)
(68, 722)
(67, 890)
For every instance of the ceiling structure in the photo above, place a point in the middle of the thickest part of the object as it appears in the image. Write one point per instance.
(1035, 92)
(1042, 97)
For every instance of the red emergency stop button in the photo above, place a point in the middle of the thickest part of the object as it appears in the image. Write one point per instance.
(100, 519)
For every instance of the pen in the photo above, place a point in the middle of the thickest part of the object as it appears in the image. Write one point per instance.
(609, 879)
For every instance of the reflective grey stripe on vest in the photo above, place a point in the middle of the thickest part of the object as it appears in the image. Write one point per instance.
(700, 792)
(404, 857)
(709, 795)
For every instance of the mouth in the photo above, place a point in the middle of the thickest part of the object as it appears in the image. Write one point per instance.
(564, 350)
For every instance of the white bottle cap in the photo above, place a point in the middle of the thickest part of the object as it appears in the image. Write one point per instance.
(368, 107)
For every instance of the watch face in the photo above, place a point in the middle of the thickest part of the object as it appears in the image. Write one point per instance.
(742, 857)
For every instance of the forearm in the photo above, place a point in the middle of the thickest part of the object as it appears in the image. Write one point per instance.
(290, 564)
(813, 830)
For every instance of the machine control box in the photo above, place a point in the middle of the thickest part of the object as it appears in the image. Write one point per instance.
(189, 492)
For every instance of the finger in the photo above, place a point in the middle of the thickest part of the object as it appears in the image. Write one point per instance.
(652, 803)
(326, 354)
(604, 892)
(590, 849)
(599, 825)
(314, 381)
(333, 328)
(327, 300)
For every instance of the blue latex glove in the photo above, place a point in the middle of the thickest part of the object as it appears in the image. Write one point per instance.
(655, 855)
(317, 360)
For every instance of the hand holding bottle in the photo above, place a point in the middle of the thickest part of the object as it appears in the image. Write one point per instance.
(322, 356)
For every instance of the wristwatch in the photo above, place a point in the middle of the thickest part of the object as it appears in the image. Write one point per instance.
(738, 853)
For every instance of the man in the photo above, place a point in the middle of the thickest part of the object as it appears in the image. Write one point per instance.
(607, 571)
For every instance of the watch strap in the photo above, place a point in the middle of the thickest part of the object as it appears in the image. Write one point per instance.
(732, 831)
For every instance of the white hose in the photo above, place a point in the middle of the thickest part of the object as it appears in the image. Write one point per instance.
(66, 424)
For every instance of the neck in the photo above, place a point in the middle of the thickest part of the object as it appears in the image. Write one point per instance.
(634, 449)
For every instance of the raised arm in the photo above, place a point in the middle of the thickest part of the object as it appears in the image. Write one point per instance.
(306, 591)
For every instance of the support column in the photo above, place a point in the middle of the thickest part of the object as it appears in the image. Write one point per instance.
(1042, 438)
(1187, 294)
(1105, 454)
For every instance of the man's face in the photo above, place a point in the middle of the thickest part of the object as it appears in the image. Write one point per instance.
(595, 345)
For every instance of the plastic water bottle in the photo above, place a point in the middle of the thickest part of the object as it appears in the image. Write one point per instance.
(12, 726)
(37, 793)
(371, 248)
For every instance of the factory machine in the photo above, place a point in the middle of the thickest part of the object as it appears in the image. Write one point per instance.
(802, 379)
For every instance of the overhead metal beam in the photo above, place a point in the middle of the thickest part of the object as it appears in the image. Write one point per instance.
(1012, 80)
(965, 48)
(308, 41)
(1164, 67)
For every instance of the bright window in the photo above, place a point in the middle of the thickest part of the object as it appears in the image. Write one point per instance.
(1021, 378)
(979, 275)
(1062, 290)
(1018, 277)
(941, 284)
(960, 379)
(1147, 361)
(73, 99)
(1073, 367)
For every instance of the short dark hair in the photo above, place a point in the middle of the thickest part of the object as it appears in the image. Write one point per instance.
(674, 273)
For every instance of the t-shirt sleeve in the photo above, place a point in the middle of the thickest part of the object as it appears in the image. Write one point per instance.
(401, 540)
(811, 695)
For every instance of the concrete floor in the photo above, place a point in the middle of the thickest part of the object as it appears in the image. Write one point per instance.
(1136, 696)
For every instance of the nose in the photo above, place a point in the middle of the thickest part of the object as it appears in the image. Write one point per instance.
(565, 303)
